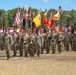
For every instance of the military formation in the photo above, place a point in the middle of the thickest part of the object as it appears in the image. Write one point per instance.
(31, 43)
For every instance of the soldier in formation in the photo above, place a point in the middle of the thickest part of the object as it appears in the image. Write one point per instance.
(8, 42)
(30, 43)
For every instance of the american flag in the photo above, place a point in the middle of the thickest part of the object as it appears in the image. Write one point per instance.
(17, 18)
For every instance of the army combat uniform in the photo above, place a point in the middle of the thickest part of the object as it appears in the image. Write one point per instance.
(20, 44)
(66, 41)
(39, 43)
(1, 42)
(25, 44)
(15, 44)
(53, 42)
(7, 42)
(59, 42)
(74, 42)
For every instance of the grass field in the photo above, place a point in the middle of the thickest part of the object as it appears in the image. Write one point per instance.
(46, 64)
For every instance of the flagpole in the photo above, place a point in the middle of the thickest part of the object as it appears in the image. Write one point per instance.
(60, 11)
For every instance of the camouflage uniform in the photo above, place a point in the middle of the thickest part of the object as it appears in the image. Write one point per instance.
(42, 39)
(31, 45)
(1, 42)
(15, 44)
(25, 44)
(34, 42)
(53, 42)
(45, 41)
(49, 38)
(74, 42)
(39, 43)
(20, 44)
(8, 42)
(59, 42)
(66, 41)
(71, 37)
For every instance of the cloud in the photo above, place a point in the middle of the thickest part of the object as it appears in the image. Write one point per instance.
(45, 0)
(65, 1)
(73, 6)
(26, 6)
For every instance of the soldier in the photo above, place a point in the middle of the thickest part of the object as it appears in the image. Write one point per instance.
(53, 42)
(59, 41)
(32, 44)
(47, 40)
(1, 42)
(11, 33)
(39, 43)
(20, 44)
(25, 43)
(71, 37)
(8, 43)
(44, 43)
(15, 43)
(34, 41)
(42, 39)
(66, 41)
(74, 41)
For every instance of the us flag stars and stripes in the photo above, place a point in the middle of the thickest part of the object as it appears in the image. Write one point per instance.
(17, 18)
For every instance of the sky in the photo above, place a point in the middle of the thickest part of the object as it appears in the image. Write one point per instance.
(38, 4)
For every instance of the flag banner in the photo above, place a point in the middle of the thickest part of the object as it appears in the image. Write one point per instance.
(56, 16)
(29, 23)
(50, 23)
(17, 18)
(1, 30)
(24, 19)
(11, 29)
(45, 13)
(29, 12)
(36, 30)
(24, 14)
(45, 21)
(24, 22)
(37, 20)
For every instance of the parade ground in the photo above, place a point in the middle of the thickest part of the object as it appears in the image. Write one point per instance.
(46, 64)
